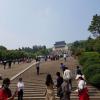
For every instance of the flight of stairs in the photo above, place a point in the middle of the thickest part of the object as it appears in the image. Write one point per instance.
(35, 87)
(36, 91)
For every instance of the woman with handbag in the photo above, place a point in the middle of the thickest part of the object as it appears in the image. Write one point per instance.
(82, 89)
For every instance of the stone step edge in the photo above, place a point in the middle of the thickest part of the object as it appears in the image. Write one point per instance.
(72, 97)
(15, 76)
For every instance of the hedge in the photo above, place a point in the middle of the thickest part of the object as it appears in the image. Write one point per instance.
(91, 70)
(95, 80)
(91, 67)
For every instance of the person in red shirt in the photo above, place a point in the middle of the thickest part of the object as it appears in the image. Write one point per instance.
(5, 92)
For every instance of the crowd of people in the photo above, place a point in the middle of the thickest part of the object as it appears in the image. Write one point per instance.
(8, 63)
(63, 85)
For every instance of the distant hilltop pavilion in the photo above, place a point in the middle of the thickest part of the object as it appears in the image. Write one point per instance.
(60, 44)
(60, 47)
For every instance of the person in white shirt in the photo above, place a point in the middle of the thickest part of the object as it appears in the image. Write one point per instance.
(65, 55)
(67, 75)
(82, 89)
(20, 87)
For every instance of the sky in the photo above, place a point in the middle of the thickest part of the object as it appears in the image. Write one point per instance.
(24, 23)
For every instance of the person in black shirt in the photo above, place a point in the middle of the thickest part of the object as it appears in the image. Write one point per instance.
(78, 71)
(38, 68)
(4, 63)
(59, 82)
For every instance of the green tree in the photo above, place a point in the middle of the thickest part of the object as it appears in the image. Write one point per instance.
(94, 27)
(3, 48)
(97, 45)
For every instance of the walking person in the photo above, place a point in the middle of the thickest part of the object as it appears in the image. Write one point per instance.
(58, 85)
(9, 63)
(78, 71)
(82, 89)
(20, 87)
(68, 75)
(49, 94)
(38, 67)
(62, 67)
(65, 56)
(5, 92)
(0, 77)
(65, 90)
(4, 63)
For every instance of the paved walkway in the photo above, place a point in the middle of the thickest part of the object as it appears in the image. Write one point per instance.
(35, 84)
(15, 69)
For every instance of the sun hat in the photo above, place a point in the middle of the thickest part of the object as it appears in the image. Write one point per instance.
(77, 77)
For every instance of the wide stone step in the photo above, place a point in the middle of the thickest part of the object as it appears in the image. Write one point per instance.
(57, 98)
(35, 87)
(42, 95)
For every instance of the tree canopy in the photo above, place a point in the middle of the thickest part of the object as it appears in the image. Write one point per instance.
(2, 47)
(94, 27)
(24, 52)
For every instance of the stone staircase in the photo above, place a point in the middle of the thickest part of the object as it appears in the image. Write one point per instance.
(35, 86)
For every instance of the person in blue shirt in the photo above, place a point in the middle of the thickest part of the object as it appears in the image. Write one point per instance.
(62, 66)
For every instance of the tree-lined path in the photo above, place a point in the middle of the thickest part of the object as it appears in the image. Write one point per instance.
(35, 84)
